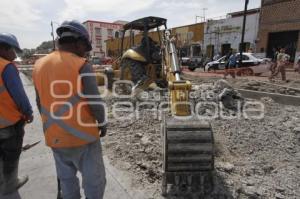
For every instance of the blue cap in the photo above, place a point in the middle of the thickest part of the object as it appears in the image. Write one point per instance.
(77, 27)
(11, 40)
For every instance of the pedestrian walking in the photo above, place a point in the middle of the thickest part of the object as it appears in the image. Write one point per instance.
(15, 112)
(282, 62)
(72, 112)
(230, 65)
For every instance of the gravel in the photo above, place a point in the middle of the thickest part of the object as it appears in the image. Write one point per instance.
(255, 158)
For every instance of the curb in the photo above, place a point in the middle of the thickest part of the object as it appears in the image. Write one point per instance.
(279, 98)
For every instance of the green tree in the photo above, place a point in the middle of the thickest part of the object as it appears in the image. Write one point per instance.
(45, 47)
(27, 53)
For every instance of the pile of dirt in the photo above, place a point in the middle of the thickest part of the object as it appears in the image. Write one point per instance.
(133, 141)
(220, 94)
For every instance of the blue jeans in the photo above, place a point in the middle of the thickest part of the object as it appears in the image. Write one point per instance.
(88, 161)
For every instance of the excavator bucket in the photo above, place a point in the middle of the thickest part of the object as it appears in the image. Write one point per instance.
(188, 157)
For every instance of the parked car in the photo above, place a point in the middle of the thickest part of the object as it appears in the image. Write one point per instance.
(251, 64)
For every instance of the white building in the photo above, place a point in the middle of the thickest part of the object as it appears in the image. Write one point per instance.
(223, 34)
(100, 32)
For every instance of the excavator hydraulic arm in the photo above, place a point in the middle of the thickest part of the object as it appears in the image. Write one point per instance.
(188, 155)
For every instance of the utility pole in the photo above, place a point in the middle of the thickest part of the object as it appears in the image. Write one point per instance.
(52, 34)
(242, 46)
(204, 9)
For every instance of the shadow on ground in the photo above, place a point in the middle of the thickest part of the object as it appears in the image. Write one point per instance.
(14, 195)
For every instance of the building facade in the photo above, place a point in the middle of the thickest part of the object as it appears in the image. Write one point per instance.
(222, 34)
(100, 32)
(189, 34)
(279, 27)
(185, 36)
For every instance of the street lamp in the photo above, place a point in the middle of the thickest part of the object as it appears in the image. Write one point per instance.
(52, 34)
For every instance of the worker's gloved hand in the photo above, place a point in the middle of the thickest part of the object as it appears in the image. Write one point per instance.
(28, 118)
(103, 130)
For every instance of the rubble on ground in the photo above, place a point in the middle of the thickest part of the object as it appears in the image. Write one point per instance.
(292, 87)
(287, 89)
(221, 93)
(255, 158)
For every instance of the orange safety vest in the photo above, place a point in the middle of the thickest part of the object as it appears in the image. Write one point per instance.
(9, 112)
(67, 119)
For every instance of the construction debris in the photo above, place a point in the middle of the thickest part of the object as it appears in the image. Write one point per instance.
(255, 158)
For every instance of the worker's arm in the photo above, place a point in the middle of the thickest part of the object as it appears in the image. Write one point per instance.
(37, 99)
(90, 87)
(14, 86)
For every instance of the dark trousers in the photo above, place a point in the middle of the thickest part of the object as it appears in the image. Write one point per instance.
(11, 141)
(229, 70)
(273, 67)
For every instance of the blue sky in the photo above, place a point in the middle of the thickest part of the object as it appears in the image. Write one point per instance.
(30, 20)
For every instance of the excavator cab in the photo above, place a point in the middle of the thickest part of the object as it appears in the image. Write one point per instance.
(141, 60)
(147, 45)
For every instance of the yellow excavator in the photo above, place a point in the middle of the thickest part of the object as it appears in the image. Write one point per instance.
(188, 144)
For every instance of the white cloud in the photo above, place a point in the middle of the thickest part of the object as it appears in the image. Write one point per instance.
(19, 15)
(78, 9)
(23, 19)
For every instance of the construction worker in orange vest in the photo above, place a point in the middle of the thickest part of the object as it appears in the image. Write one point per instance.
(15, 111)
(72, 112)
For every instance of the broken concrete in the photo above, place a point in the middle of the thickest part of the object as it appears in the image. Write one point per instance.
(279, 98)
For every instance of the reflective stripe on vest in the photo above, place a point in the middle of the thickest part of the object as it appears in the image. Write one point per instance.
(60, 112)
(4, 122)
(9, 111)
(2, 89)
